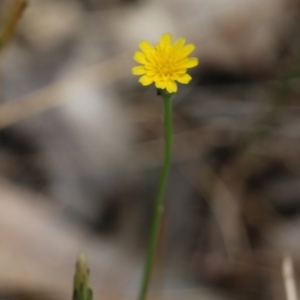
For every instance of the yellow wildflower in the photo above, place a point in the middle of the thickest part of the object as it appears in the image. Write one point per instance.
(164, 64)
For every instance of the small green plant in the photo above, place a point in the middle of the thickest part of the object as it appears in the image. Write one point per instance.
(81, 287)
(164, 65)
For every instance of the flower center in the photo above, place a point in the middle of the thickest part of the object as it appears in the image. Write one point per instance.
(165, 67)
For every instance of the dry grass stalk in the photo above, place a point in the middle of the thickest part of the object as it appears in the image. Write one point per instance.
(289, 278)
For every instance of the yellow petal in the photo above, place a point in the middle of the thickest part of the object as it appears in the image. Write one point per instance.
(138, 70)
(152, 57)
(179, 44)
(146, 47)
(186, 50)
(180, 64)
(184, 78)
(149, 66)
(167, 50)
(174, 76)
(192, 62)
(171, 86)
(181, 71)
(140, 57)
(161, 84)
(157, 78)
(166, 39)
(186, 63)
(145, 80)
(150, 73)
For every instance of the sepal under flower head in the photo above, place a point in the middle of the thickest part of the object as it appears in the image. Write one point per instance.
(165, 64)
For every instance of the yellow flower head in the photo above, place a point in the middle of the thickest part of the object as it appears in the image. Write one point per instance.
(164, 64)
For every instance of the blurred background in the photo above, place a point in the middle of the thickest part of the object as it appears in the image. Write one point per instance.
(81, 145)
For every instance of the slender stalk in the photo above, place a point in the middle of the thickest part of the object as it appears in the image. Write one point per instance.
(158, 205)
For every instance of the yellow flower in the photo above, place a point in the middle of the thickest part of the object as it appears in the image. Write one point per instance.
(164, 64)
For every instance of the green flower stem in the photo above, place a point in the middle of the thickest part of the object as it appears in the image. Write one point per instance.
(158, 206)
